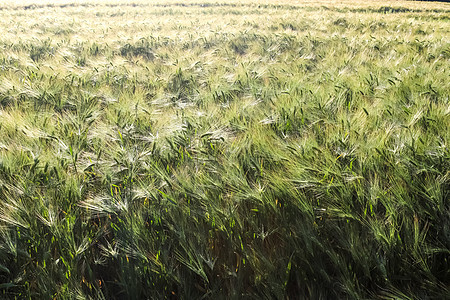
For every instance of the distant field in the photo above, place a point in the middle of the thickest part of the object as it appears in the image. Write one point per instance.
(224, 149)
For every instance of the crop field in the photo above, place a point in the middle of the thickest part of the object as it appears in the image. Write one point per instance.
(224, 149)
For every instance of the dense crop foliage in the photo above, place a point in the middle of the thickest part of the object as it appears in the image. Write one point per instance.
(231, 150)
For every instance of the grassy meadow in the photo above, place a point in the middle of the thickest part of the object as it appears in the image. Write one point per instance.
(224, 149)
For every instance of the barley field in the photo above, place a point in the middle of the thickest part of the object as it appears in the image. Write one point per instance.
(224, 149)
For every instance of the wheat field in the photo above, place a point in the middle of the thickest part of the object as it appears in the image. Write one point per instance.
(224, 149)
